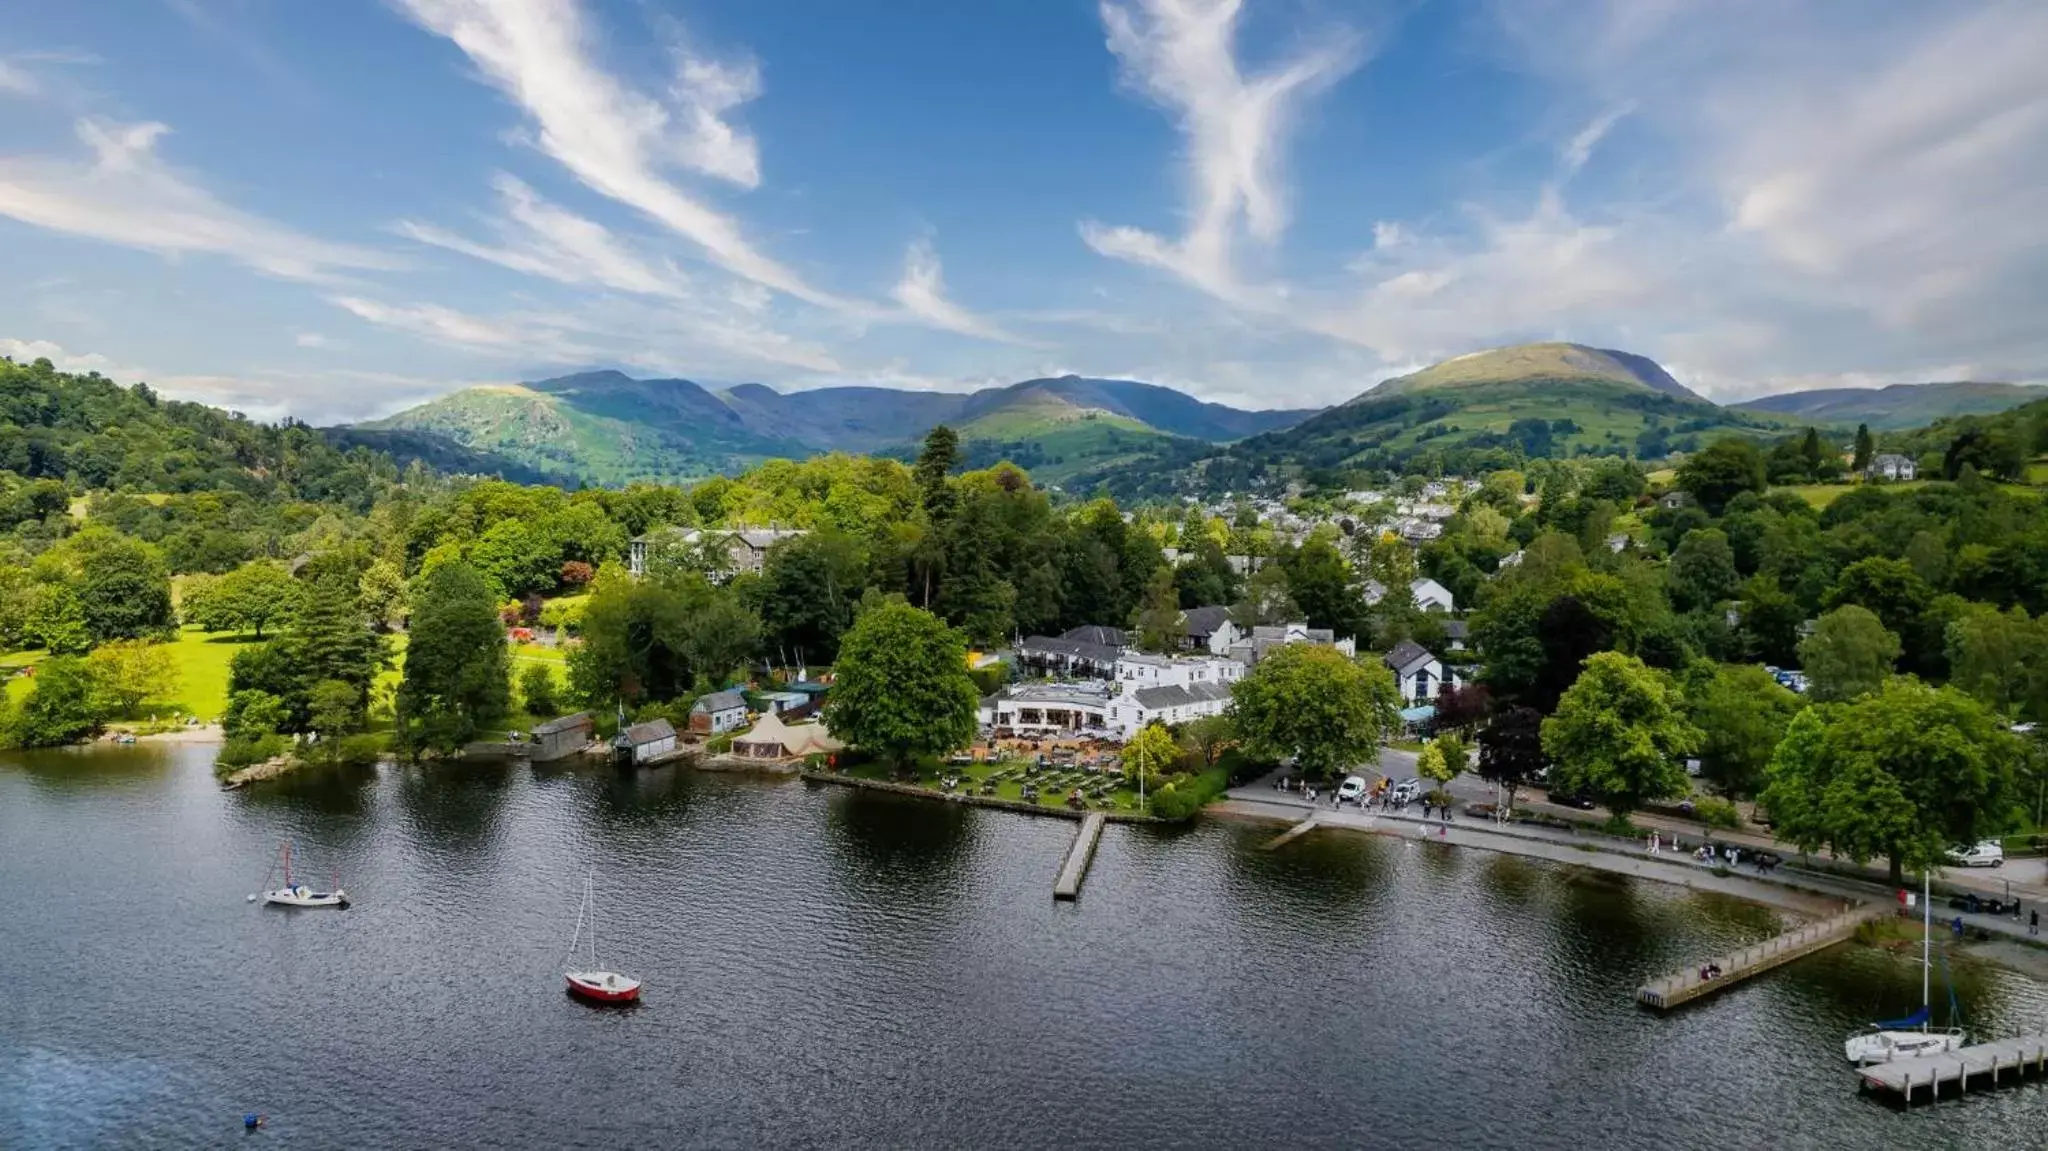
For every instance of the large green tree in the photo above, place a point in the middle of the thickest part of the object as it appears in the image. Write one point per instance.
(457, 669)
(1620, 735)
(1511, 749)
(1316, 706)
(1742, 712)
(808, 588)
(1721, 471)
(1702, 570)
(902, 687)
(1905, 774)
(1159, 618)
(1849, 654)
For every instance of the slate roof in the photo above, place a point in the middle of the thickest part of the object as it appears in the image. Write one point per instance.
(565, 723)
(1407, 656)
(1203, 622)
(1175, 695)
(1456, 629)
(650, 732)
(1047, 645)
(1095, 633)
(718, 701)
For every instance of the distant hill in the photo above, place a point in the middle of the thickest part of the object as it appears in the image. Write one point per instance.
(1468, 414)
(1538, 364)
(440, 454)
(1898, 406)
(607, 427)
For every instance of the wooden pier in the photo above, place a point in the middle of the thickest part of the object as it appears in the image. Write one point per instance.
(1685, 986)
(1292, 833)
(1068, 885)
(1985, 1066)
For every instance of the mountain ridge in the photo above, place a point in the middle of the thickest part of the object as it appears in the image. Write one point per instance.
(1897, 407)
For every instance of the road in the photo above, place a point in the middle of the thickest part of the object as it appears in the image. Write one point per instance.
(2025, 878)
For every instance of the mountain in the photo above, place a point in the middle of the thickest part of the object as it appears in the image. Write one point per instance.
(1896, 407)
(1486, 410)
(1538, 364)
(607, 427)
(440, 454)
(604, 427)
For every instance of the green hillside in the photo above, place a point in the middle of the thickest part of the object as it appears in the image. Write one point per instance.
(1538, 364)
(554, 432)
(1896, 407)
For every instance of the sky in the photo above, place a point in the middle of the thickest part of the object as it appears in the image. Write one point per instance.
(335, 210)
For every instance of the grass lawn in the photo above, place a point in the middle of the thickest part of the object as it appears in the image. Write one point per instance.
(1821, 495)
(1053, 784)
(539, 652)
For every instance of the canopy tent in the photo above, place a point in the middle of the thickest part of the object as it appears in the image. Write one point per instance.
(771, 738)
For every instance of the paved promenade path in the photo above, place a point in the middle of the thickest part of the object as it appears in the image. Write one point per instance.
(1789, 887)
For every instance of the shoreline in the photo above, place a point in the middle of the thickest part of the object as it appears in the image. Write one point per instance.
(811, 775)
(1780, 895)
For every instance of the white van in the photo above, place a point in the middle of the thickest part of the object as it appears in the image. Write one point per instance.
(1352, 790)
(1989, 853)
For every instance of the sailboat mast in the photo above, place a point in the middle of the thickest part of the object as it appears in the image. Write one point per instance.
(590, 901)
(287, 864)
(1926, 944)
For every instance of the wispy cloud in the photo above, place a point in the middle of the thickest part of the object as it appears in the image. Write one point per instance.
(1182, 55)
(16, 80)
(614, 139)
(525, 337)
(922, 292)
(125, 194)
(706, 89)
(541, 239)
(1579, 148)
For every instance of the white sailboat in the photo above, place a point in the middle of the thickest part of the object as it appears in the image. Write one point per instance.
(594, 983)
(294, 894)
(1898, 1038)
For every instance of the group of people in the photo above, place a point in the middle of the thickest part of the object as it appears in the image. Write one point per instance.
(1709, 970)
(1727, 855)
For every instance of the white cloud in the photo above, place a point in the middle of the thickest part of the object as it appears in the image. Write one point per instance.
(1182, 55)
(125, 194)
(704, 91)
(17, 81)
(540, 239)
(312, 340)
(1579, 148)
(614, 139)
(922, 292)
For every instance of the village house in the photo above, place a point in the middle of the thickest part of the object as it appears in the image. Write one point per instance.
(1171, 704)
(1249, 650)
(1456, 632)
(560, 738)
(1675, 499)
(1891, 466)
(1039, 709)
(1427, 594)
(1208, 629)
(1417, 673)
(645, 741)
(1053, 655)
(718, 712)
(746, 549)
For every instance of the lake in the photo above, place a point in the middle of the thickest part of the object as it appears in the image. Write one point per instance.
(826, 967)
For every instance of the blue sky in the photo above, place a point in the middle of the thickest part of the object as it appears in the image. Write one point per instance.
(333, 210)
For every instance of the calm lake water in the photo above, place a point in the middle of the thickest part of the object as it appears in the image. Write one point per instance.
(836, 968)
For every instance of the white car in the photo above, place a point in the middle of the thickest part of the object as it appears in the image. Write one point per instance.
(1352, 789)
(1406, 791)
(1989, 853)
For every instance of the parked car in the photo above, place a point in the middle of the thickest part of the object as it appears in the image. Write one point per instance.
(1351, 790)
(1989, 853)
(1581, 801)
(1406, 791)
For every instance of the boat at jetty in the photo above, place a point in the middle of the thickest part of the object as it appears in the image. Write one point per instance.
(1896, 1038)
(594, 983)
(294, 894)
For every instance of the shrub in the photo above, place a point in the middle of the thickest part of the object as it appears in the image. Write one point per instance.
(358, 750)
(247, 751)
(1716, 812)
(719, 744)
(1188, 794)
(537, 688)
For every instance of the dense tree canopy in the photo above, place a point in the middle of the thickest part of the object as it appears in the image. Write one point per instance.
(1313, 705)
(903, 688)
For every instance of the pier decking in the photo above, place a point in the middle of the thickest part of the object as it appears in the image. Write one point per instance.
(1685, 986)
(1293, 833)
(1068, 885)
(1985, 1065)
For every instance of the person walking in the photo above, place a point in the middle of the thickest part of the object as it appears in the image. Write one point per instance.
(2034, 922)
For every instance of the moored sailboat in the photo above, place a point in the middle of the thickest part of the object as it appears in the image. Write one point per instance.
(295, 894)
(594, 983)
(1893, 1039)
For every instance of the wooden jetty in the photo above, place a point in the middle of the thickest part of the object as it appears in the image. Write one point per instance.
(1068, 885)
(1685, 986)
(1293, 833)
(1984, 1066)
